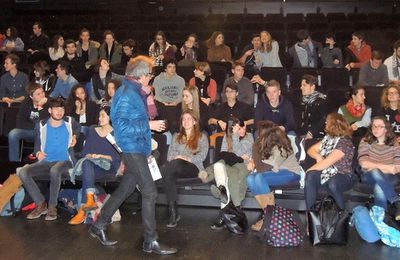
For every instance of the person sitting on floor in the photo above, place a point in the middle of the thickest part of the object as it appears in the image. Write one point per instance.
(273, 163)
(379, 158)
(188, 150)
(53, 139)
(30, 112)
(96, 147)
(333, 168)
(230, 171)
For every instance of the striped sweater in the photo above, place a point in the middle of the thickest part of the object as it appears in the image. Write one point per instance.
(378, 153)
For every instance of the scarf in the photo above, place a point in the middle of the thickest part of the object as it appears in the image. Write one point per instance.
(328, 144)
(356, 110)
(308, 100)
(202, 86)
(145, 91)
(395, 66)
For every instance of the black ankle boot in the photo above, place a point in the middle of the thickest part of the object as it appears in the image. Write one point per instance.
(219, 193)
(173, 214)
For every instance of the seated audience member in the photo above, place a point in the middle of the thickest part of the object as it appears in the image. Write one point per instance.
(112, 87)
(379, 158)
(161, 50)
(216, 48)
(225, 113)
(374, 72)
(357, 113)
(37, 44)
(393, 64)
(305, 52)
(186, 154)
(97, 148)
(313, 109)
(230, 171)
(87, 49)
(102, 75)
(390, 103)
(273, 163)
(41, 70)
(331, 56)
(78, 69)
(245, 87)
(13, 82)
(274, 107)
(81, 108)
(53, 139)
(129, 50)
(189, 52)
(268, 54)
(168, 85)
(206, 85)
(65, 81)
(358, 52)
(57, 48)
(32, 109)
(12, 42)
(248, 57)
(332, 170)
(192, 102)
(110, 49)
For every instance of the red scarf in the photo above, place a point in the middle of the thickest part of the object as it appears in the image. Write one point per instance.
(356, 110)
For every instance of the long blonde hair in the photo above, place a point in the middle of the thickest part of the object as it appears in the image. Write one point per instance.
(194, 91)
(268, 45)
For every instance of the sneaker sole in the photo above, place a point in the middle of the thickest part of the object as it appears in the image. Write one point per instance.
(172, 226)
(38, 216)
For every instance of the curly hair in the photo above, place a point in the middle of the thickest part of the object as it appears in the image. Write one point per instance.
(70, 103)
(337, 126)
(270, 138)
(384, 98)
(390, 137)
(191, 141)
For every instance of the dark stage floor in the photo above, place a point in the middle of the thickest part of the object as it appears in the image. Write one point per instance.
(38, 239)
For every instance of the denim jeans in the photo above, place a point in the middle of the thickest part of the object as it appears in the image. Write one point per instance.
(383, 186)
(54, 170)
(137, 172)
(259, 183)
(335, 186)
(91, 172)
(14, 138)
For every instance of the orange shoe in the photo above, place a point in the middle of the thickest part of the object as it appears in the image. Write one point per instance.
(90, 203)
(79, 218)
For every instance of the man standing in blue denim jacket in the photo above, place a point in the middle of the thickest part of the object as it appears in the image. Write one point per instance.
(133, 136)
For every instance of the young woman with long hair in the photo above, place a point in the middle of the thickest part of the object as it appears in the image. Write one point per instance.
(268, 54)
(186, 154)
(57, 48)
(379, 158)
(158, 49)
(390, 106)
(217, 50)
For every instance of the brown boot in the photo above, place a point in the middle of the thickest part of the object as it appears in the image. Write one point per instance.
(265, 199)
(79, 218)
(90, 203)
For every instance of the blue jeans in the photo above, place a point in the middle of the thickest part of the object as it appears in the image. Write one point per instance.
(383, 186)
(259, 182)
(91, 172)
(335, 186)
(137, 172)
(14, 138)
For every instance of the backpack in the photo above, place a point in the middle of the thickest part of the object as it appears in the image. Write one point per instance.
(281, 228)
(364, 225)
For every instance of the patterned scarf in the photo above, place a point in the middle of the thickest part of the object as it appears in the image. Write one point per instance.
(308, 100)
(395, 66)
(328, 144)
(356, 110)
(145, 91)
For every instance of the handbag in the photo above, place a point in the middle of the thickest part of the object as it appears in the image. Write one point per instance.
(327, 223)
(281, 227)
